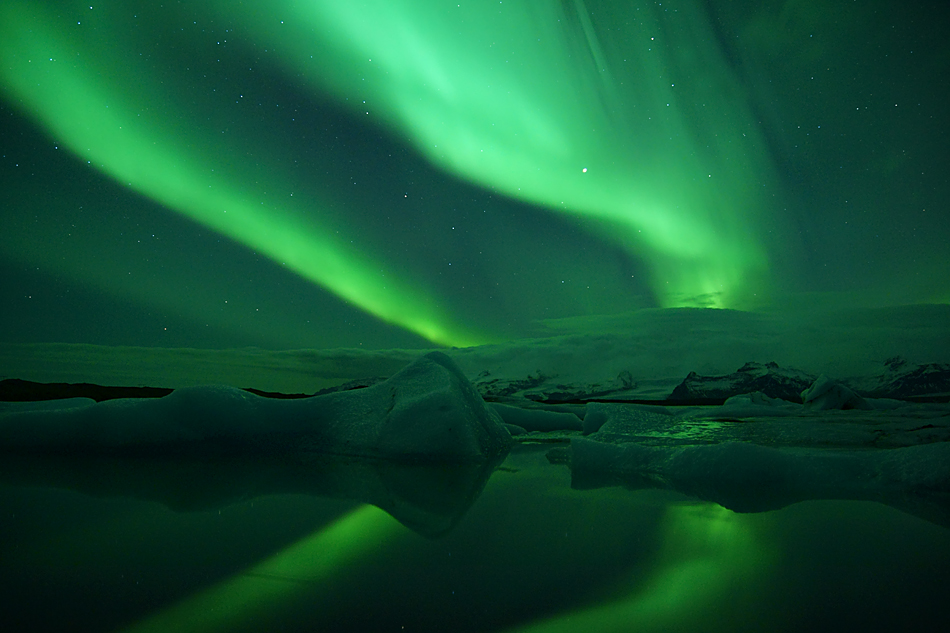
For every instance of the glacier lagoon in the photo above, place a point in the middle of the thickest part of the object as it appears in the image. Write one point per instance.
(345, 186)
(595, 512)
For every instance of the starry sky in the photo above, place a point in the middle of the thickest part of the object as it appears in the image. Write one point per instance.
(408, 174)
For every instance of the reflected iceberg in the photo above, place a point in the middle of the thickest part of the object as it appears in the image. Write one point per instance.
(420, 445)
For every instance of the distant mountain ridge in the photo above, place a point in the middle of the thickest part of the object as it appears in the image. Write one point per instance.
(899, 380)
(768, 378)
(903, 380)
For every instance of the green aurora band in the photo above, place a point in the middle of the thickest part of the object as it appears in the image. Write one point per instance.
(646, 132)
(89, 106)
(641, 130)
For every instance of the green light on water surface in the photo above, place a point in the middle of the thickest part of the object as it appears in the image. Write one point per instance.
(276, 582)
(708, 551)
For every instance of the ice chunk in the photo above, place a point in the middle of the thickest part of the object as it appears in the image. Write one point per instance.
(428, 411)
(626, 419)
(597, 416)
(538, 419)
(757, 403)
(827, 394)
(746, 477)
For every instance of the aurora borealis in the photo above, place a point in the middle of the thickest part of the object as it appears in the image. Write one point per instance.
(401, 174)
(293, 194)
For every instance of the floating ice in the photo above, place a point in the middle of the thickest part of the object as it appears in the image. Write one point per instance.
(537, 419)
(746, 477)
(426, 412)
(828, 394)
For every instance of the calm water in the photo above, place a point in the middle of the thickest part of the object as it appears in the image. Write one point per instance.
(530, 555)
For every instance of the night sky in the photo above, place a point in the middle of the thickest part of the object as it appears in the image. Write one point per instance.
(406, 174)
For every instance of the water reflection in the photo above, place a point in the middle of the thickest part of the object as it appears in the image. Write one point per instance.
(427, 498)
(531, 554)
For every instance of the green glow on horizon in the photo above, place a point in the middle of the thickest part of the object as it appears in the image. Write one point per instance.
(89, 107)
(648, 134)
(276, 581)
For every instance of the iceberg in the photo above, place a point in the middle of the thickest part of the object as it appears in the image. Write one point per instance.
(428, 412)
(755, 453)
(535, 419)
(745, 477)
(420, 446)
(828, 394)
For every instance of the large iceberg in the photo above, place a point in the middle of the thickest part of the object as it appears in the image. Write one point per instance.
(420, 446)
(428, 412)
